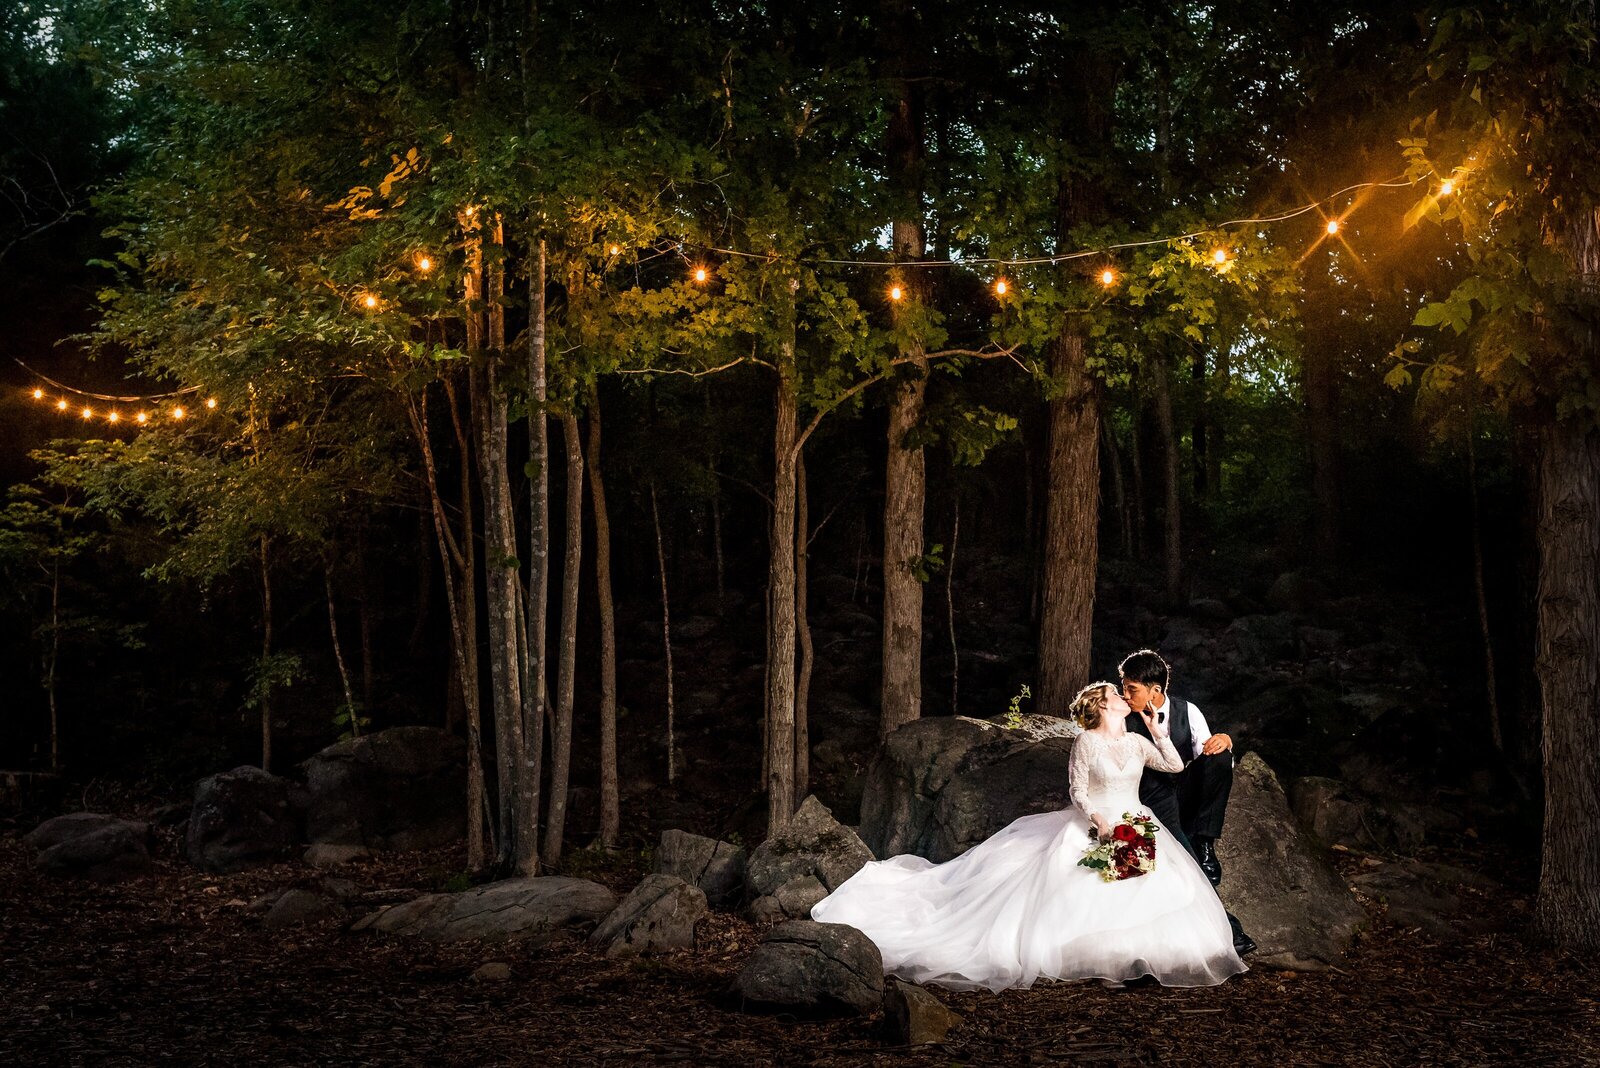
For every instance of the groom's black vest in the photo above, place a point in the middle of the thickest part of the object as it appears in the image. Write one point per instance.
(1177, 710)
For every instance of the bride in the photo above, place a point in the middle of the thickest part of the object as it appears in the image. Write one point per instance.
(1018, 906)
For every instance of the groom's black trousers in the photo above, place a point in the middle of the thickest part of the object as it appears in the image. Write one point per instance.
(1191, 803)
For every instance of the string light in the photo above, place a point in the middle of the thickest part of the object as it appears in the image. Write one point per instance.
(1333, 226)
(142, 418)
(370, 301)
(424, 264)
(88, 413)
(61, 404)
(114, 417)
(38, 394)
(615, 250)
(1001, 286)
(1219, 256)
(895, 293)
(211, 402)
(177, 413)
(1108, 277)
(701, 274)
(1446, 187)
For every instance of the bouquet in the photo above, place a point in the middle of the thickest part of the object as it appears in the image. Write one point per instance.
(1129, 852)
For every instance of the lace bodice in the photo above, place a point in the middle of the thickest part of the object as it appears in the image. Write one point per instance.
(1105, 771)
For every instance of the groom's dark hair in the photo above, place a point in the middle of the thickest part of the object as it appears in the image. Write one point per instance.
(1146, 668)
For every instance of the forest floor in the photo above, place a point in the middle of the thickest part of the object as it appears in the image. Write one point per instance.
(172, 967)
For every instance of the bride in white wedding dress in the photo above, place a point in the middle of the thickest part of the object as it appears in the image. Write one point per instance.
(1018, 906)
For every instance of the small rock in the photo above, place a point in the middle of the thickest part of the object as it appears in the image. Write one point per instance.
(914, 1017)
(494, 971)
(105, 852)
(717, 868)
(328, 855)
(341, 889)
(52, 832)
(659, 915)
(823, 968)
(298, 907)
(507, 910)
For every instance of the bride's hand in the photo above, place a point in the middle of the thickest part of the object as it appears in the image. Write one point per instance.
(1102, 826)
(1156, 724)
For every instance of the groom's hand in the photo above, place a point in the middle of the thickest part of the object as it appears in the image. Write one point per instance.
(1217, 743)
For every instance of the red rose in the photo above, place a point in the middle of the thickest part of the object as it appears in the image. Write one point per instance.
(1124, 833)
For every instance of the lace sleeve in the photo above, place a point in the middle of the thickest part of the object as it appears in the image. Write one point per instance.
(1161, 754)
(1078, 774)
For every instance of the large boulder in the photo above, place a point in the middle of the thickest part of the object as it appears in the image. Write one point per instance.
(508, 910)
(811, 845)
(717, 868)
(92, 846)
(1278, 881)
(242, 817)
(942, 785)
(658, 915)
(821, 968)
(396, 789)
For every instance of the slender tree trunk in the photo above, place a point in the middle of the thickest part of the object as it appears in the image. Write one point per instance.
(422, 605)
(55, 658)
(364, 615)
(1490, 677)
(666, 638)
(1119, 492)
(266, 652)
(535, 684)
(802, 686)
(1172, 518)
(610, 803)
(905, 475)
(567, 667)
(780, 703)
(1568, 908)
(463, 594)
(950, 605)
(338, 652)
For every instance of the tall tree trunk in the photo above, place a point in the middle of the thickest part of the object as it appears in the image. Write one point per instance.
(610, 803)
(266, 652)
(905, 475)
(55, 659)
(1072, 487)
(666, 638)
(535, 683)
(338, 652)
(802, 623)
(364, 614)
(716, 503)
(950, 603)
(1490, 677)
(1119, 492)
(1216, 436)
(781, 637)
(1568, 909)
(1172, 515)
(561, 737)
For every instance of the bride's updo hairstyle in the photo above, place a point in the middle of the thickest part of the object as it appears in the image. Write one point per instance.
(1089, 707)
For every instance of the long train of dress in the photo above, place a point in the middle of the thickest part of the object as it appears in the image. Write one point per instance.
(1018, 906)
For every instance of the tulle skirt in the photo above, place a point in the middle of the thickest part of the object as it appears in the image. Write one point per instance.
(1018, 906)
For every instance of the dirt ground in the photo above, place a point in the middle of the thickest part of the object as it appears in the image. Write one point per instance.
(174, 968)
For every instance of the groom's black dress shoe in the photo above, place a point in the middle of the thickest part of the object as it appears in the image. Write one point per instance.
(1242, 943)
(1206, 854)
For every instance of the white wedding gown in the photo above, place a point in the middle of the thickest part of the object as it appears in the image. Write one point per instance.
(1018, 906)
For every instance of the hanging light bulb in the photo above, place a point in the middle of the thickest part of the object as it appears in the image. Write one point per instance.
(1219, 256)
(114, 417)
(424, 264)
(1108, 277)
(38, 394)
(701, 274)
(896, 293)
(1446, 187)
(370, 301)
(615, 250)
(1001, 286)
(61, 405)
(141, 418)
(211, 402)
(88, 413)
(1333, 226)
(177, 413)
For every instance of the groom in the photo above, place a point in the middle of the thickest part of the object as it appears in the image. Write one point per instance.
(1190, 803)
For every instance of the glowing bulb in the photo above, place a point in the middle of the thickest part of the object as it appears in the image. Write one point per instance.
(1446, 187)
(177, 413)
(1333, 226)
(211, 402)
(615, 250)
(1108, 277)
(1000, 286)
(142, 418)
(88, 413)
(424, 264)
(61, 404)
(38, 394)
(700, 274)
(895, 292)
(1219, 256)
(370, 301)
(114, 417)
